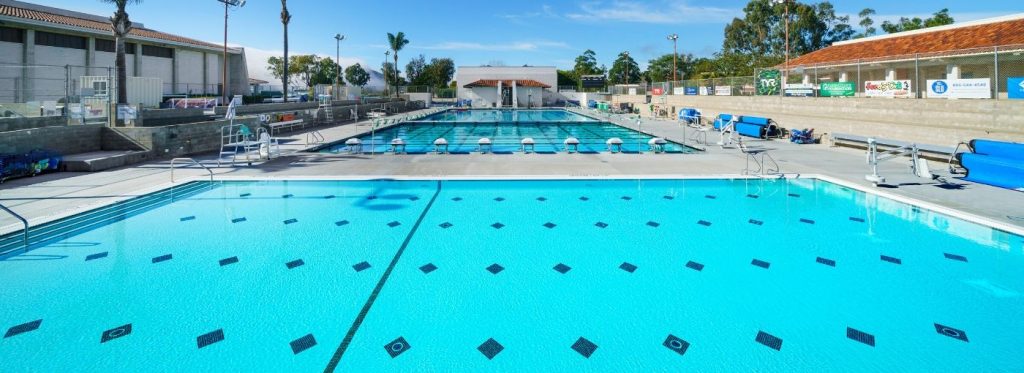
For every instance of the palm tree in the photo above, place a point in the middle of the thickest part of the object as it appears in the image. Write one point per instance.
(285, 19)
(397, 42)
(121, 26)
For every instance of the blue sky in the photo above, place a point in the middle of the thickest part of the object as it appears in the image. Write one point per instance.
(475, 32)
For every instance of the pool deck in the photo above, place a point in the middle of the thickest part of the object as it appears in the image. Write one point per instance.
(51, 196)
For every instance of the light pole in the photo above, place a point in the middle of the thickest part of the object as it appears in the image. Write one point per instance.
(337, 61)
(384, 70)
(224, 75)
(673, 38)
(785, 74)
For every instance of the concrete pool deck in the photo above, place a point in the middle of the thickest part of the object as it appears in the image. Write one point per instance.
(46, 197)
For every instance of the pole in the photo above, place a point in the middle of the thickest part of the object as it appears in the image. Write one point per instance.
(786, 76)
(224, 84)
(995, 53)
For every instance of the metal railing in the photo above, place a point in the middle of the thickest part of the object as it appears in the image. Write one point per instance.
(190, 160)
(24, 222)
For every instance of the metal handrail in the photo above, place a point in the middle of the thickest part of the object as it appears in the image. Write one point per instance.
(23, 222)
(193, 161)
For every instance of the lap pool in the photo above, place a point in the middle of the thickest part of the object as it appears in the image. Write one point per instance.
(506, 128)
(513, 275)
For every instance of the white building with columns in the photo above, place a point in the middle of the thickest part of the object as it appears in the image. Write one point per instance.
(507, 86)
(39, 43)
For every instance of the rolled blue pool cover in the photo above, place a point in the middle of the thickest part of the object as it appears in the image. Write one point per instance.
(991, 170)
(999, 149)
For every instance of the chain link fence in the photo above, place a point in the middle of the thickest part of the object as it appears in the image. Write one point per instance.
(980, 73)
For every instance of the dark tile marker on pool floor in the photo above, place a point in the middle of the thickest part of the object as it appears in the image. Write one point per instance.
(361, 266)
(562, 268)
(860, 336)
(210, 338)
(626, 198)
(695, 266)
(755, 222)
(959, 258)
(676, 344)
(302, 344)
(457, 199)
(294, 263)
(495, 268)
(704, 223)
(445, 225)
(886, 258)
(628, 267)
(291, 221)
(826, 261)
(237, 220)
(288, 196)
(653, 224)
(329, 197)
(584, 347)
(769, 340)
(226, 261)
(341, 222)
(669, 197)
(754, 196)
(584, 199)
(116, 333)
(710, 196)
(162, 258)
(760, 263)
(856, 219)
(429, 267)
(951, 332)
(542, 199)
(794, 195)
(550, 225)
(497, 225)
(243, 195)
(187, 218)
(806, 221)
(499, 199)
(397, 347)
(394, 224)
(601, 224)
(23, 328)
(490, 348)
(96, 256)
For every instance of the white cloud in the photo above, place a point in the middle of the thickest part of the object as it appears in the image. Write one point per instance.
(546, 11)
(521, 46)
(656, 12)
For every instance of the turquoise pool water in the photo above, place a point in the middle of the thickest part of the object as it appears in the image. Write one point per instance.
(621, 275)
(506, 129)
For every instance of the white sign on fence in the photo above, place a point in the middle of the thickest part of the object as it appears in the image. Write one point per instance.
(704, 91)
(960, 88)
(678, 90)
(632, 91)
(723, 90)
(888, 88)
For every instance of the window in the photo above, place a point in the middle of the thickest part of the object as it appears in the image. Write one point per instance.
(154, 51)
(12, 35)
(99, 89)
(60, 40)
(103, 45)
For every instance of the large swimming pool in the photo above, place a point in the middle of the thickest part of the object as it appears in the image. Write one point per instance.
(586, 275)
(506, 129)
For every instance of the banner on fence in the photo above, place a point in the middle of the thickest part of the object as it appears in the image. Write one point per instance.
(679, 90)
(888, 88)
(632, 91)
(657, 91)
(837, 89)
(691, 91)
(768, 82)
(960, 88)
(799, 90)
(723, 90)
(1015, 88)
(704, 91)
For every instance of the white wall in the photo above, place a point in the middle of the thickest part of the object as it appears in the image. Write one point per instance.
(190, 71)
(469, 74)
(108, 59)
(213, 72)
(158, 67)
(10, 53)
(49, 83)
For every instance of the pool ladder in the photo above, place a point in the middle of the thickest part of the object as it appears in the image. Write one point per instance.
(24, 222)
(189, 160)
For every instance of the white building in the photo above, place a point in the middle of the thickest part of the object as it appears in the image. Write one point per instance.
(506, 86)
(37, 43)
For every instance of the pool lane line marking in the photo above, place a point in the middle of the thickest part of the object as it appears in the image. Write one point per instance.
(333, 364)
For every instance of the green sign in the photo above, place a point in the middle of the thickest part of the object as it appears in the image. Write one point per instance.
(838, 89)
(768, 82)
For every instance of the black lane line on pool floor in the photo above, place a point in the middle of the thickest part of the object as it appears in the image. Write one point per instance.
(333, 364)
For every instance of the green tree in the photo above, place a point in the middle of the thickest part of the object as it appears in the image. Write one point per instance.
(568, 78)
(939, 18)
(286, 18)
(121, 26)
(439, 72)
(414, 70)
(308, 69)
(762, 32)
(391, 75)
(397, 42)
(356, 75)
(867, 23)
(660, 69)
(624, 70)
(586, 64)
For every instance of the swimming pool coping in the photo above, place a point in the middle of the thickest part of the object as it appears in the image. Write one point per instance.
(949, 211)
